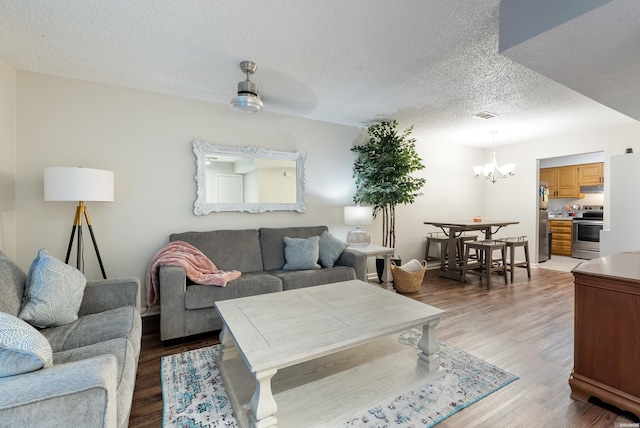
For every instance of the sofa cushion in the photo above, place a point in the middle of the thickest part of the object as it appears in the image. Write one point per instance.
(301, 253)
(309, 278)
(116, 323)
(227, 249)
(272, 243)
(121, 348)
(54, 292)
(12, 283)
(249, 284)
(330, 249)
(23, 349)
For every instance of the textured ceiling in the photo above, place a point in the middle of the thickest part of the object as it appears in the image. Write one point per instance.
(431, 63)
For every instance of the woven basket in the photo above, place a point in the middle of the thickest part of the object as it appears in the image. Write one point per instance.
(407, 282)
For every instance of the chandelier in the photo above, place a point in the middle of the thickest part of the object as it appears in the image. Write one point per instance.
(491, 171)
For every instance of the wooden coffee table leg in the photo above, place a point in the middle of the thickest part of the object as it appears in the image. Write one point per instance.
(227, 348)
(263, 405)
(429, 347)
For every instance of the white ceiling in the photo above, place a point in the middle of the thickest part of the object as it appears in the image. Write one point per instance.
(431, 63)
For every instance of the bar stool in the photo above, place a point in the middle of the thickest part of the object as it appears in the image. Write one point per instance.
(466, 237)
(512, 243)
(441, 239)
(486, 264)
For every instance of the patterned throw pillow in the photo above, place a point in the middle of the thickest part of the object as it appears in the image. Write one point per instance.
(23, 349)
(301, 254)
(54, 292)
(330, 249)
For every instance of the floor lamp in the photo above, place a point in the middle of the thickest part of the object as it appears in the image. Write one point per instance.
(82, 185)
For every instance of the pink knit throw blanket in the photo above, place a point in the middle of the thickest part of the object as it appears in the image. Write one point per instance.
(198, 267)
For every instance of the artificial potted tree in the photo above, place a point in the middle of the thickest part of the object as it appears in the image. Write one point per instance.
(382, 171)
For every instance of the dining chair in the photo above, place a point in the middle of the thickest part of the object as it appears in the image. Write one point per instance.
(442, 239)
(486, 263)
(512, 243)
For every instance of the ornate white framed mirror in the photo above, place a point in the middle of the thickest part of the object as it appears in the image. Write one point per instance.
(249, 179)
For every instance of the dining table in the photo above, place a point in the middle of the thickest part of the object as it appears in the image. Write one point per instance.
(453, 229)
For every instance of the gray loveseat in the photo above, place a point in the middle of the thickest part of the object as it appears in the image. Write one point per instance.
(187, 308)
(95, 358)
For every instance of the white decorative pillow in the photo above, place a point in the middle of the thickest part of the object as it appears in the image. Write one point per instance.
(301, 254)
(23, 349)
(330, 249)
(412, 265)
(53, 292)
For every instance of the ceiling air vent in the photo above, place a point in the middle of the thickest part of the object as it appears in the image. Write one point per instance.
(484, 115)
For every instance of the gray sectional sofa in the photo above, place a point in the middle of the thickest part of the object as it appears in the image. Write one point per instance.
(87, 375)
(187, 308)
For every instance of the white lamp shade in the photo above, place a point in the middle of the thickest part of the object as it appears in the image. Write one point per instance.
(358, 215)
(63, 183)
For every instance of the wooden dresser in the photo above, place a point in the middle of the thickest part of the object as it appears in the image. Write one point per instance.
(607, 331)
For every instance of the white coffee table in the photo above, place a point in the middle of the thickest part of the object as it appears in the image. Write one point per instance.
(322, 341)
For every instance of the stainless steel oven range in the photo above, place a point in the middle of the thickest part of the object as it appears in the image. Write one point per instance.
(586, 233)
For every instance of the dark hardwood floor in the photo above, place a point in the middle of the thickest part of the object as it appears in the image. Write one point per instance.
(525, 328)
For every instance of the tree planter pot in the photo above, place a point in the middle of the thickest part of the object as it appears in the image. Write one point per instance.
(380, 266)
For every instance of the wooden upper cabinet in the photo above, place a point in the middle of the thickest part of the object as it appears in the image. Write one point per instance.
(563, 181)
(568, 182)
(591, 174)
(550, 176)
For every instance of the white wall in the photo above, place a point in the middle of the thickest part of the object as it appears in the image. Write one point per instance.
(7, 159)
(516, 197)
(450, 193)
(623, 231)
(145, 138)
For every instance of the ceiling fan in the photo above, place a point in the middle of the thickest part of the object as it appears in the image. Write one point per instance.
(247, 100)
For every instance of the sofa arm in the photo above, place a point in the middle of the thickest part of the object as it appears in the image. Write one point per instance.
(105, 294)
(356, 260)
(76, 394)
(173, 286)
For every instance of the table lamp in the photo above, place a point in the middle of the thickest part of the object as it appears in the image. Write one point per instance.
(358, 216)
(79, 184)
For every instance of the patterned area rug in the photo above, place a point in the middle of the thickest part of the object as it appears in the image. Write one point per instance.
(194, 396)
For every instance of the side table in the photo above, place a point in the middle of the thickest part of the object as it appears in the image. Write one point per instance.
(386, 252)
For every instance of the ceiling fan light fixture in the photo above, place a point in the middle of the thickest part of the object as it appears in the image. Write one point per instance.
(247, 104)
(247, 100)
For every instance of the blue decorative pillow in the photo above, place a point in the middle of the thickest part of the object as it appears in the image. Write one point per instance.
(53, 292)
(301, 254)
(23, 349)
(330, 249)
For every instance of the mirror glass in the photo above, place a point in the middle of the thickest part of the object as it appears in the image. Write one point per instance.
(251, 179)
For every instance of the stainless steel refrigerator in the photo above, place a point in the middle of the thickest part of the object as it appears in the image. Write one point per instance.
(544, 239)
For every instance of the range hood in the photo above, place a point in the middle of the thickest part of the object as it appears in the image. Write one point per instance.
(592, 189)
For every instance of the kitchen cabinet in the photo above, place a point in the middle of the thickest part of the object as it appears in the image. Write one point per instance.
(562, 236)
(606, 326)
(591, 174)
(550, 176)
(568, 182)
(562, 181)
